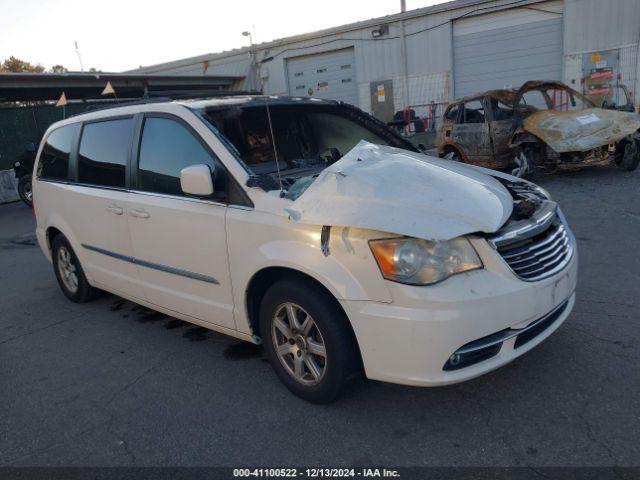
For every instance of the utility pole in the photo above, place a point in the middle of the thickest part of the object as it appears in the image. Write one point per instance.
(403, 55)
(79, 57)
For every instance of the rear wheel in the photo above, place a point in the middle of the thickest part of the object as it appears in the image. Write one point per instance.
(24, 190)
(307, 340)
(69, 273)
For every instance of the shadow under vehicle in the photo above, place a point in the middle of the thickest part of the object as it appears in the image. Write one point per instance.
(543, 124)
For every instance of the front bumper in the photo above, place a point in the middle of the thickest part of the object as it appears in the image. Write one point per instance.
(410, 340)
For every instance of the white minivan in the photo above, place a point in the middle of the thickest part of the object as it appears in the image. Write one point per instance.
(307, 226)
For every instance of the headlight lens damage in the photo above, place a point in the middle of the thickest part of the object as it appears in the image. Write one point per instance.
(422, 262)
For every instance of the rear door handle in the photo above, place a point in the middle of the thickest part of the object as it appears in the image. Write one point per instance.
(116, 210)
(139, 213)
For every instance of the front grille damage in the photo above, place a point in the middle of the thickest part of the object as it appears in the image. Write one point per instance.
(535, 242)
(541, 255)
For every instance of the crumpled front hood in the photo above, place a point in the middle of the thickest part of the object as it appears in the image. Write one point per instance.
(402, 192)
(581, 130)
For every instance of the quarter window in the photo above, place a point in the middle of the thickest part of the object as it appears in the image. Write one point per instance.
(452, 113)
(104, 149)
(166, 148)
(54, 159)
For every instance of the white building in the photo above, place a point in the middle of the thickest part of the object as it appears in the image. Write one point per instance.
(439, 53)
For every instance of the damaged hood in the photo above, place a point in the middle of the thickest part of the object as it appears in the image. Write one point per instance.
(581, 130)
(397, 191)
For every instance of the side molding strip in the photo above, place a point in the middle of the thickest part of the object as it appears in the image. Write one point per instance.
(154, 266)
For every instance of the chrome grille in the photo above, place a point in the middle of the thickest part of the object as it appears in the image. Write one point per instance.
(541, 255)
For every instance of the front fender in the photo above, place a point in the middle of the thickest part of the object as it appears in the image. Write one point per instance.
(258, 240)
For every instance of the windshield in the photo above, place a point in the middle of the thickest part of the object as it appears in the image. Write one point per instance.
(553, 97)
(307, 136)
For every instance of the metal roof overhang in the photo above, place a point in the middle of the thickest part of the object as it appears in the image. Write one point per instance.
(86, 86)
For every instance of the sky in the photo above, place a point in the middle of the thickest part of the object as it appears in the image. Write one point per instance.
(118, 35)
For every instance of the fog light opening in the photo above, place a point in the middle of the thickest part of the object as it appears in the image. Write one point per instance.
(454, 359)
(461, 359)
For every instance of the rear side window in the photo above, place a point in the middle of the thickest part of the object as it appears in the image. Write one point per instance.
(166, 148)
(104, 149)
(473, 112)
(54, 159)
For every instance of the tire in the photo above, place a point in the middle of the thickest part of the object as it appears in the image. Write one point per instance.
(631, 156)
(24, 190)
(302, 368)
(68, 271)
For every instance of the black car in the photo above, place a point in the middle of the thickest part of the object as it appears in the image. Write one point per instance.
(23, 169)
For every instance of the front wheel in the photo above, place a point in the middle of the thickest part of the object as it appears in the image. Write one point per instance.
(307, 340)
(630, 156)
(24, 190)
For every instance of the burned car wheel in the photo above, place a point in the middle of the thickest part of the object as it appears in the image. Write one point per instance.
(453, 155)
(307, 340)
(630, 156)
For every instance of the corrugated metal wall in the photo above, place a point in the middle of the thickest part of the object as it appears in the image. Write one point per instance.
(428, 51)
(506, 48)
(592, 25)
(587, 25)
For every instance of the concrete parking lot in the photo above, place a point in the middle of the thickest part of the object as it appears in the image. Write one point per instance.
(112, 384)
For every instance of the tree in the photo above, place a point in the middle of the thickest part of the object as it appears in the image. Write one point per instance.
(58, 69)
(15, 65)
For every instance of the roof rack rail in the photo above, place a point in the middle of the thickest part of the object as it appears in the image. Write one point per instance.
(168, 96)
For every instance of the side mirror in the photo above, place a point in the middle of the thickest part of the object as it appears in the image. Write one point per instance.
(197, 180)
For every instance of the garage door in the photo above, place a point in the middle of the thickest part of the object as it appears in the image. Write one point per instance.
(505, 49)
(328, 75)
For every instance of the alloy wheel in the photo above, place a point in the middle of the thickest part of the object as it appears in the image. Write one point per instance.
(67, 270)
(299, 344)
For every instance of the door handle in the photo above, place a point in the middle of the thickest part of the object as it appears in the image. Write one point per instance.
(116, 210)
(139, 213)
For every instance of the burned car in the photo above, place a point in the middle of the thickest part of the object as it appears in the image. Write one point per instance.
(543, 124)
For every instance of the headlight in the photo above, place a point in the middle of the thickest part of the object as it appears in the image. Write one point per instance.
(422, 262)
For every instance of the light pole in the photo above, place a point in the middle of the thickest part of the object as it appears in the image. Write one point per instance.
(253, 66)
(247, 33)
